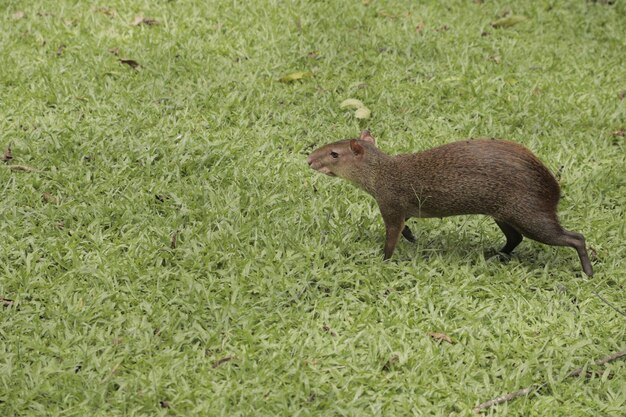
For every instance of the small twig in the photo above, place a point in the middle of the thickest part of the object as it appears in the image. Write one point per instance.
(222, 361)
(504, 398)
(8, 154)
(523, 392)
(608, 304)
(174, 239)
(21, 168)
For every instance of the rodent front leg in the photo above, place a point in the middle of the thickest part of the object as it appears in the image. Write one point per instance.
(394, 225)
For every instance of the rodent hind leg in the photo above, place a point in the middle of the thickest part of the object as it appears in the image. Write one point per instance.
(513, 237)
(578, 242)
(551, 233)
(408, 235)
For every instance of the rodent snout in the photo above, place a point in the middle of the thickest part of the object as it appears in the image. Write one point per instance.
(309, 160)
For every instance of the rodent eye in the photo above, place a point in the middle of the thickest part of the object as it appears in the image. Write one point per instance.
(334, 154)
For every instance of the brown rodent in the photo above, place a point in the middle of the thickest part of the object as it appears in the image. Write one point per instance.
(497, 178)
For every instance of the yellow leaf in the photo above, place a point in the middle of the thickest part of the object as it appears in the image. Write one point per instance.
(294, 76)
(351, 103)
(362, 113)
(508, 21)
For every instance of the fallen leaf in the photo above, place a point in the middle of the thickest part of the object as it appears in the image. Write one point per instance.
(294, 76)
(131, 63)
(357, 85)
(174, 240)
(508, 21)
(114, 51)
(222, 361)
(164, 404)
(619, 133)
(8, 154)
(328, 330)
(494, 58)
(107, 11)
(60, 50)
(49, 198)
(21, 168)
(362, 113)
(443, 28)
(18, 15)
(420, 27)
(388, 15)
(140, 20)
(504, 13)
(441, 337)
(390, 362)
(622, 95)
(351, 103)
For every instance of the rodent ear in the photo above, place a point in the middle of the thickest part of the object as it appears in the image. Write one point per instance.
(356, 147)
(367, 136)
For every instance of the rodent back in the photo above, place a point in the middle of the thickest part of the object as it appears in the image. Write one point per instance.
(477, 176)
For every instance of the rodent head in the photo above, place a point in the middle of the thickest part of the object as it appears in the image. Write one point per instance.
(341, 158)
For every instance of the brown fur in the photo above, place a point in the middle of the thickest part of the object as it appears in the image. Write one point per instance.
(497, 178)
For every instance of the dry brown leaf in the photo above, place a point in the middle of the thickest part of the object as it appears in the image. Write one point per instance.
(6, 302)
(622, 95)
(620, 133)
(174, 240)
(21, 168)
(328, 330)
(420, 27)
(390, 362)
(441, 337)
(164, 404)
(60, 50)
(107, 11)
(140, 20)
(49, 198)
(8, 154)
(131, 63)
(18, 15)
(115, 51)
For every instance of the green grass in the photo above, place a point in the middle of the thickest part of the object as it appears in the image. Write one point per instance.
(274, 300)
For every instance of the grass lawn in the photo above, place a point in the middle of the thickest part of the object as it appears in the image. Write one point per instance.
(167, 251)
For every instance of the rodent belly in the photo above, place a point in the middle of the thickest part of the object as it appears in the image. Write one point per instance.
(452, 207)
(420, 213)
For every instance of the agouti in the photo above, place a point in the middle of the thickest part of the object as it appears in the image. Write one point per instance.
(497, 178)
